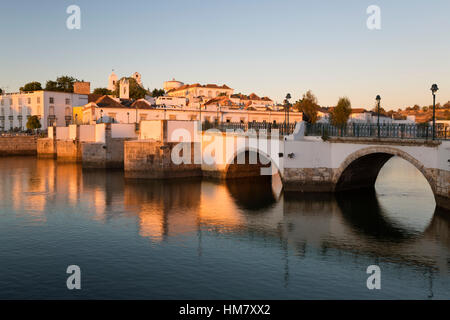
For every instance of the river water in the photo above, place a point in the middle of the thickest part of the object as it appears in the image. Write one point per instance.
(194, 239)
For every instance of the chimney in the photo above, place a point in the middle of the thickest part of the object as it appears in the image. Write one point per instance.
(82, 87)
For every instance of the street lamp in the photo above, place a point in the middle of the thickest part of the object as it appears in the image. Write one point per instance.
(288, 96)
(200, 108)
(378, 98)
(101, 115)
(434, 89)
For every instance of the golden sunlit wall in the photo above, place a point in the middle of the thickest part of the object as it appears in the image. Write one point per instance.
(77, 115)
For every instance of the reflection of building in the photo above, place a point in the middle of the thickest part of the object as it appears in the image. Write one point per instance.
(52, 108)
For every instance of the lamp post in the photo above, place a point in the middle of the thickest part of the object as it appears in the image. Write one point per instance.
(101, 115)
(378, 98)
(288, 97)
(200, 109)
(434, 89)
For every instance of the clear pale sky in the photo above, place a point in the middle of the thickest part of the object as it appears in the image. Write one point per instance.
(264, 46)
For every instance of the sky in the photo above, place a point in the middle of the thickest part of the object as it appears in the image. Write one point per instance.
(264, 46)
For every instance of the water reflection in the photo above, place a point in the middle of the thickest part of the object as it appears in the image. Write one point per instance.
(308, 224)
(362, 210)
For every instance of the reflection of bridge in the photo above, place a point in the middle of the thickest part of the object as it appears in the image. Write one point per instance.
(306, 164)
(323, 222)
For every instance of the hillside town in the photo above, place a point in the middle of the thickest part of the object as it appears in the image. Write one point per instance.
(125, 100)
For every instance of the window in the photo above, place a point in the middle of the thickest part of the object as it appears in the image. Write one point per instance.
(67, 101)
(193, 117)
(38, 99)
(242, 120)
(172, 117)
(143, 117)
(29, 100)
(51, 110)
(67, 111)
(20, 101)
(228, 120)
(51, 100)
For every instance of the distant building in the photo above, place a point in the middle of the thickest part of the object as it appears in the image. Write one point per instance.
(221, 109)
(113, 79)
(360, 115)
(197, 90)
(51, 107)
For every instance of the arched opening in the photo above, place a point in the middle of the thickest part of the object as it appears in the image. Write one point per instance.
(250, 164)
(362, 173)
(361, 169)
(250, 172)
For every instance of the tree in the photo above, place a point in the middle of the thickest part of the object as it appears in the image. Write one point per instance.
(425, 109)
(309, 106)
(62, 84)
(136, 91)
(340, 114)
(33, 123)
(102, 91)
(31, 86)
(158, 93)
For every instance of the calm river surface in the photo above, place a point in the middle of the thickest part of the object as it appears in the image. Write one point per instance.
(209, 240)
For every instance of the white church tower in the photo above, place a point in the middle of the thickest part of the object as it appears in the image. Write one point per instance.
(124, 90)
(112, 81)
(137, 77)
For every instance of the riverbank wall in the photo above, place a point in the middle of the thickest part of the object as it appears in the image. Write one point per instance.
(18, 146)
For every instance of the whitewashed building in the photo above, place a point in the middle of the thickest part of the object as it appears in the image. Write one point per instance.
(52, 108)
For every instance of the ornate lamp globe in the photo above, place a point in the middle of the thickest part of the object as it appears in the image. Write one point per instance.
(434, 88)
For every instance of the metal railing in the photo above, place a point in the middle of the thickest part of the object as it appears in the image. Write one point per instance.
(283, 129)
(394, 131)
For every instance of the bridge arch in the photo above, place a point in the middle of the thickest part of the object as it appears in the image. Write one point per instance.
(361, 168)
(235, 170)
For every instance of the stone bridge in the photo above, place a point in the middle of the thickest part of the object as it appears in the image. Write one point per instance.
(305, 164)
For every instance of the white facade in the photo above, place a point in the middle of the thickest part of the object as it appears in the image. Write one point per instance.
(132, 115)
(368, 117)
(171, 101)
(51, 107)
